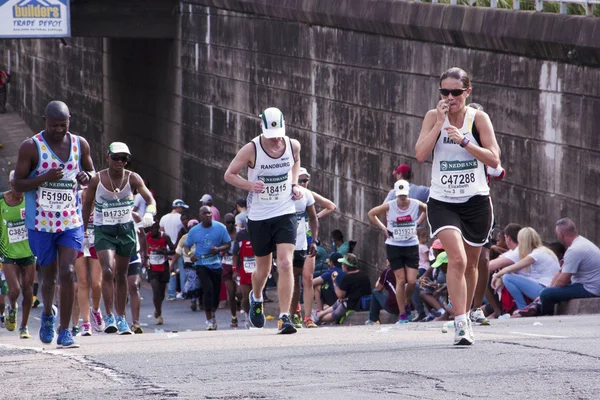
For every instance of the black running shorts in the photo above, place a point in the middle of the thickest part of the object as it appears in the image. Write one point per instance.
(473, 219)
(299, 258)
(403, 256)
(265, 235)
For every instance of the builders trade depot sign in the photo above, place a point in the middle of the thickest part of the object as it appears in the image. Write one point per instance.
(34, 18)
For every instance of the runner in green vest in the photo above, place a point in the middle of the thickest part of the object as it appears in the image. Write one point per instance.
(19, 262)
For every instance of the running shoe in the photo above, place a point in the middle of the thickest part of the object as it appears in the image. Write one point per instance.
(478, 317)
(75, 331)
(194, 306)
(36, 302)
(314, 316)
(123, 326)
(531, 310)
(257, 314)
(11, 320)
(137, 328)
(403, 319)
(285, 325)
(369, 322)
(234, 322)
(171, 298)
(179, 296)
(111, 325)
(159, 320)
(309, 323)
(47, 326)
(85, 329)
(210, 326)
(65, 340)
(97, 320)
(462, 335)
(296, 320)
(418, 317)
(471, 331)
(24, 333)
(214, 322)
(2, 322)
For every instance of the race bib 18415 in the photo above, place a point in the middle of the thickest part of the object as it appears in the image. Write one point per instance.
(276, 188)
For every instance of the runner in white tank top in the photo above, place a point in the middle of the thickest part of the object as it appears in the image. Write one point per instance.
(459, 210)
(50, 165)
(115, 236)
(403, 215)
(273, 162)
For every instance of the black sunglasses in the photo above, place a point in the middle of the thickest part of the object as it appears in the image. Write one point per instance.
(454, 92)
(117, 157)
(303, 180)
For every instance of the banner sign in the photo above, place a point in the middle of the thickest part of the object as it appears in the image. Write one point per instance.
(35, 19)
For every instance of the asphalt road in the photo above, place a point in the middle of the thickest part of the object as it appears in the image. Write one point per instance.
(535, 358)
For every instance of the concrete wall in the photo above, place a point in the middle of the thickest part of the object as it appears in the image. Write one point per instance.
(354, 79)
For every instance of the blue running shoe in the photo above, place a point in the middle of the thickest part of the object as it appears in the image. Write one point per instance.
(123, 326)
(65, 340)
(47, 326)
(111, 325)
(257, 314)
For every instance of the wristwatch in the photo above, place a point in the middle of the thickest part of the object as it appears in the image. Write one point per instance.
(464, 142)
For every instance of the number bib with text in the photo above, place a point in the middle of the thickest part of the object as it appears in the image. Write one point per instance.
(403, 231)
(458, 176)
(276, 188)
(157, 259)
(249, 264)
(16, 231)
(116, 212)
(209, 259)
(57, 196)
(227, 259)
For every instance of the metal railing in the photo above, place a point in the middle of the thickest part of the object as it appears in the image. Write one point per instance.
(586, 5)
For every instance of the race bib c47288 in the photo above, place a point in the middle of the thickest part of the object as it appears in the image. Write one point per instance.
(458, 176)
(403, 231)
(276, 188)
(249, 264)
(16, 231)
(57, 196)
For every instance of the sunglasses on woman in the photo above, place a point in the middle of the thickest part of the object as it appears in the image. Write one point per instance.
(119, 157)
(303, 180)
(453, 92)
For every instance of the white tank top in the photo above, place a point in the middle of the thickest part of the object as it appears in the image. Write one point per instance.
(112, 208)
(456, 175)
(276, 198)
(403, 224)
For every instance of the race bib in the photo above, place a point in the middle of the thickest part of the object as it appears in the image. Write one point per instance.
(458, 176)
(116, 212)
(249, 264)
(89, 233)
(16, 231)
(157, 259)
(57, 196)
(403, 231)
(209, 259)
(276, 188)
(227, 259)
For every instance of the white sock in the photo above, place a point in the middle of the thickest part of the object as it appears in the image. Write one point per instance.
(255, 298)
(442, 311)
(461, 318)
(282, 314)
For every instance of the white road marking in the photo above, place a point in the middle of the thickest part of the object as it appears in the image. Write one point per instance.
(539, 335)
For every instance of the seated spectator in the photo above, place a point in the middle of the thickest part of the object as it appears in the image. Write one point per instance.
(496, 250)
(351, 289)
(323, 285)
(537, 266)
(580, 274)
(434, 290)
(381, 299)
(339, 246)
(511, 238)
(420, 313)
(559, 249)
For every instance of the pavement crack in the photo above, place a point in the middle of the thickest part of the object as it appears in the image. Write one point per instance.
(570, 352)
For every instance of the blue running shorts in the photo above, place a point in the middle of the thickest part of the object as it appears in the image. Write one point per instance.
(44, 244)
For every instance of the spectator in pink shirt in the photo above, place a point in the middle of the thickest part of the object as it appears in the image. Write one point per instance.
(207, 200)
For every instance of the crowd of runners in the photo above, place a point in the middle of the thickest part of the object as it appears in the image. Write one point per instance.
(86, 226)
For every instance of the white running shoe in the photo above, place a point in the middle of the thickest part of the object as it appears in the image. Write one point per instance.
(462, 334)
(210, 326)
(478, 317)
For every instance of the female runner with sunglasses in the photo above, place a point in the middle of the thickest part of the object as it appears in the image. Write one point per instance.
(115, 236)
(459, 209)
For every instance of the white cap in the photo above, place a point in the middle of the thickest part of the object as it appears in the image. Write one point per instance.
(206, 198)
(272, 123)
(118, 148)
(401, 188)
(179, 203)
(303, 171)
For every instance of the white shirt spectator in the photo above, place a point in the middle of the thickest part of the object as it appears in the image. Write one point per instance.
(583, 260)
(544, 268)
(141, 204)
(171, 224)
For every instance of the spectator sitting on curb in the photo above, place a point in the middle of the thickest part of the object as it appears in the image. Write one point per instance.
(433, 288)
(351, 289)
(381, 299)
(339, 246)
(420, 313)
(496, 250)
(537, 266)
(511, 238)
(580, 274)
(323, 285)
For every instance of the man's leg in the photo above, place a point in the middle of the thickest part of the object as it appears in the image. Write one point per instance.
(216, 278)
(553, 295)
(377, 302)
(83, 294)
(296, 293)
(133, 285)
(11, 273)
(66, 269)
(308, 294)
(285, 283)
(76, 310)
(27, 277)
(107, 261)
(207, 291)
(121, 267)
(260, 275)
(483, 274)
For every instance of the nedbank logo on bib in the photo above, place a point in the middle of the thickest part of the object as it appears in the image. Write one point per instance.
(274, 179)
(36, 9)
(59, 185)
(457, 165)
